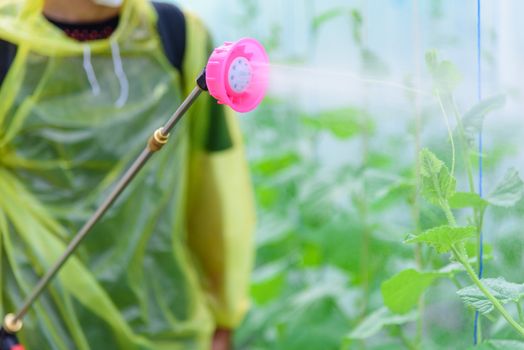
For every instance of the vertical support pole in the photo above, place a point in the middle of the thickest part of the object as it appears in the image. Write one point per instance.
(476, 324)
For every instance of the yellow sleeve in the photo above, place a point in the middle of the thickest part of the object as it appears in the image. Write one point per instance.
(220, 208)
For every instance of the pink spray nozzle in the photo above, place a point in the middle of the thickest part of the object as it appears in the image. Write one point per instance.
(237, 74)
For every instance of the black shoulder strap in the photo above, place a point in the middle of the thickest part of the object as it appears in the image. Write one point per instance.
(7, 55)
(172, 30)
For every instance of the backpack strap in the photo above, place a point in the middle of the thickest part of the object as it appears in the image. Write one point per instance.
(171, 27)
(7, 55)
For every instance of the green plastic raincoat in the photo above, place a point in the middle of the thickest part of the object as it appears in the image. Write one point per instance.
(171, 260)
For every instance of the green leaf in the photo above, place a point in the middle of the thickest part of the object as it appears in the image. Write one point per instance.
(267, 282)
(437, 184)
(474, 118)
(327, 16)
(375, 321)
(506, 344)
(392, 193)
(402, 291)
(357, 21)
(274, 165)
(453, 267)
(342, 123)
(501, 289)
(471, 250)
(467, 200)
(267, 196)
(430, 164)
(443, 237)
(319, 325)
(500, 345)
(311, 255)
(445, 74)
(508, 191)
(372, 63)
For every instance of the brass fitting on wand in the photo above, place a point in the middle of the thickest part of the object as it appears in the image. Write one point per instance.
(12, 324)
(157, 140)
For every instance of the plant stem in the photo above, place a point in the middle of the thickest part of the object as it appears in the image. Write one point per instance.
(456, 282)
(459, 256)
(449, 214)
(479, 330)
(367, 231)
(367, 234)
(486, 292)
(450, 133)
(464, 145)
(409, 345)
(521, 315)
(478, 214)
(480, 223)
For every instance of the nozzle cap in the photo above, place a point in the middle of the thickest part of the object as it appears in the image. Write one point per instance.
(237, 74)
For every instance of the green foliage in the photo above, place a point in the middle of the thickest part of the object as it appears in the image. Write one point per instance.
(484, 295)
(501, 289)
(274, 165)
(471, 249)
(437, 184)
(376, 321)
(467, 200)
(474, 118)
(353, 15)
(402, 291)
(327, 17)
(442, 238)
(331, 222)
(267, 283)
(372, 63)
(341, 123)
(500, 345)
(357, 22)
(268, 196)
(508, 191)
(445, 74)
(320, 325)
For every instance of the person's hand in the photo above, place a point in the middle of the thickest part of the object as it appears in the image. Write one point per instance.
(221, 339)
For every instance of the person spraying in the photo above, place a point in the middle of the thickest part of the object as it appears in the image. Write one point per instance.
(168, 265)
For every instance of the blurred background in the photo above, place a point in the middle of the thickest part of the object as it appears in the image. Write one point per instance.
(333, 155)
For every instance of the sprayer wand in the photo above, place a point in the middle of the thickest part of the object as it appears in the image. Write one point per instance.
(236, 75)
(13, 322)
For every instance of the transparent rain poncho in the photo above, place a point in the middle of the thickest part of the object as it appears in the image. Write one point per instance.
(171, 259)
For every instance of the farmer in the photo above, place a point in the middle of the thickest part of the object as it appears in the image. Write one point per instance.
(83, 85)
